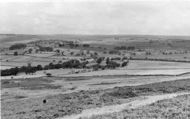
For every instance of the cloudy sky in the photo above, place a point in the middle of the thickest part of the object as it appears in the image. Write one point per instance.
(153, 17)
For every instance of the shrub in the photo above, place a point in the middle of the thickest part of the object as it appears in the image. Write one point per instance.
(17, 46)
(120, 48)
(48, 49)
(15, 53)
(124, 64)
(99, 60)
(122, 93)
(112, 65)
(48, 75)
(86, 45)
(114, 52)
(131, 48)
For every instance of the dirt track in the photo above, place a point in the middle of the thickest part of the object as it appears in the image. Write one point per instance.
(142, 101)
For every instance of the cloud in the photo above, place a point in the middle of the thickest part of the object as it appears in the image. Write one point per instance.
(96, 17)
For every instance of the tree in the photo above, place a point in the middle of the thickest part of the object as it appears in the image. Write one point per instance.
(131, 48)
(15, 53)
(61, 45)
(48, 49)
(30, 50)
(114, 52)
(17, 46)
(60, 62)
(86, 45)
(48, 75)
(37, 51)
(30, 69)
(99, 60)
(8, 72)
(71, 53)
(39, 67)
(124, 63)
(107, 60)
(51, 66)
(95, 53)
(63, 53)
(58, 51)
(112, 65)
(87, 52)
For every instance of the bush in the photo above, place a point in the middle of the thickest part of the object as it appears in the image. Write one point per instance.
(48, 49)
(112, 64)
(116, 58)
(122, 93)
(124, 64)
(48, 75)
(121, 48)
(114, 52)
(8, 72)
(99, 60)
(15, 53)
(86, 45)
(17, 46)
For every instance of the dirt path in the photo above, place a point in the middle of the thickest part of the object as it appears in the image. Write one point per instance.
(117, 108)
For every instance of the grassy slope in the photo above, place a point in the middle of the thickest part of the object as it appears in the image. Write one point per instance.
(66, 104)
(176, 108)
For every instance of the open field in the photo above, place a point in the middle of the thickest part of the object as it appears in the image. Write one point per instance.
(116, 111)
(73, 84)
(59, 105)
(175, 108)
(135, 67)
(94, 76)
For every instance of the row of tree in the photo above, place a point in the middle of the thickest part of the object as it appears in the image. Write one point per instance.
(32, 69)
(74, 63)
(26, 69)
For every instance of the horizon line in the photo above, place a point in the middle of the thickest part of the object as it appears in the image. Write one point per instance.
(92, 34)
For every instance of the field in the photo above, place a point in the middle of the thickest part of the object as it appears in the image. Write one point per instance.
(59, 105)
(175, 108)
(155, 82)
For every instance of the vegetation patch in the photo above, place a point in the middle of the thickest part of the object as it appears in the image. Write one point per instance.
(77, 78)
(19, 97)
(147, 89)
(29, 84)
(176, 108)
(17, 46)
(105, 83)
(60, 105)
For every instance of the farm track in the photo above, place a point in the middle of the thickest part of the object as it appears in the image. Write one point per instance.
(142, 101)
(62, 76)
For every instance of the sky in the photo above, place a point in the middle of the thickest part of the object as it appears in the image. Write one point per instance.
(144, 17)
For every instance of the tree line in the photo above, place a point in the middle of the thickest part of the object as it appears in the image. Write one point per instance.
(74, 63)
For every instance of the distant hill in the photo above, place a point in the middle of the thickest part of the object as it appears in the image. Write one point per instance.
(9, 39)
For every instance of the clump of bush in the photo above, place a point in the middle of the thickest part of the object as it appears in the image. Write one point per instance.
(17, 46)
(122, 93)
(47, 49)
(48, 74)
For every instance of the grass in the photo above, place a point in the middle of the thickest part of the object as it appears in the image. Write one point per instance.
(176, 108)
(77, 78)
(105, 83)
(29, 84)
(60, 105)
(19, 97)
(162, 87)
